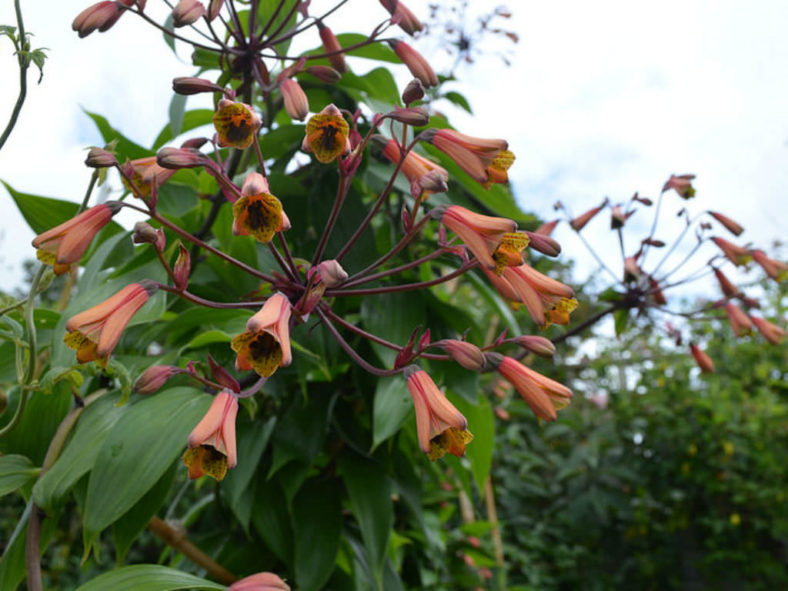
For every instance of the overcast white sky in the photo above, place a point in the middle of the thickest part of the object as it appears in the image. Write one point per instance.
(603, 98)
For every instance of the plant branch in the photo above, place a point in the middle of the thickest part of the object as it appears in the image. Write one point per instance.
(24, 63)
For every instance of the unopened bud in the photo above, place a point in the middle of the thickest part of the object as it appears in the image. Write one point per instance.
(331, 273)
(100, 16)
(644, 200)
(182, 268)
(296, 102)
(580, 221)
(187, 12)
(154, 378)
(653, 242)
(726, 286)
(214, 8)
(194, 143)
(100, 158)
(732, 227)
(413, 92)
(434, 181)
(187, 85)
(222, 377)
(144, 233)
(544, 244)
(703, 361)
(331, 45)
(536, 345)
(466, 354)
(178, 158)
(325, 74)
(415, 62)
(402, 16)
(415, 116)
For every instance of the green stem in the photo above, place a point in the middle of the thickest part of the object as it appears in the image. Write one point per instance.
(24, 393)
(24, 63)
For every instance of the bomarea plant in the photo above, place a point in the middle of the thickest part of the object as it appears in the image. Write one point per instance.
(296, 289)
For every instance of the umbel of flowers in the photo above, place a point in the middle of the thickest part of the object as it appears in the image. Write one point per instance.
(442, 239)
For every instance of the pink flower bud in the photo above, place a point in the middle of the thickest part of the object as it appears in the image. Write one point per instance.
(153, 378)
(738, 255)
(325, 74)
(144, 233)
(580, 221)
(182, 268)
(536, 345)
(546, 229)
(740, 322)
(415, 62)
(187, 12)
(187, 85)
(413, 92)
(402, 16)
(415, 116)
(726, 286)
(174, 158)
(331, 45)
(100, 158)
(771, 332)
(100, 16)
(466, 354)
(296, 103)
(260, 582)
(331, 273)
(777, 270)
(544, 244)
(214, 7)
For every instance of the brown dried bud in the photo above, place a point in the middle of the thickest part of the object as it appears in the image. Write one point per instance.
(413, 92)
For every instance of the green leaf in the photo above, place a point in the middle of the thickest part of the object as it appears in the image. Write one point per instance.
(391, 408)
(137, 452)
(370, 498)
(80, 452)
(481, 423)
(177, 108)
(168, 38)
(148, 577)
(459, 100)
(133, 523)
(208, 337)
(15, 472)
(621, 318)
(271, 520)
(125, 148)
(300, 432)
(43, 213)
(317, 523)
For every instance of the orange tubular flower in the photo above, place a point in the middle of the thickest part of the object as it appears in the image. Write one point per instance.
(682, 184)
(145, 173)
(440, 426)
(484, 160)
(548, 301)
(64, 245)
(258, 213)
(212, 442)
(260, 582)
(704, 362)
(740, 322)
(777, 270)
(542, 394)
(771, 332)
(480, 233)
(738, 255)
(265, 346)
(415, 168)
(236, 124)
(95, 332)
(327, 135)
